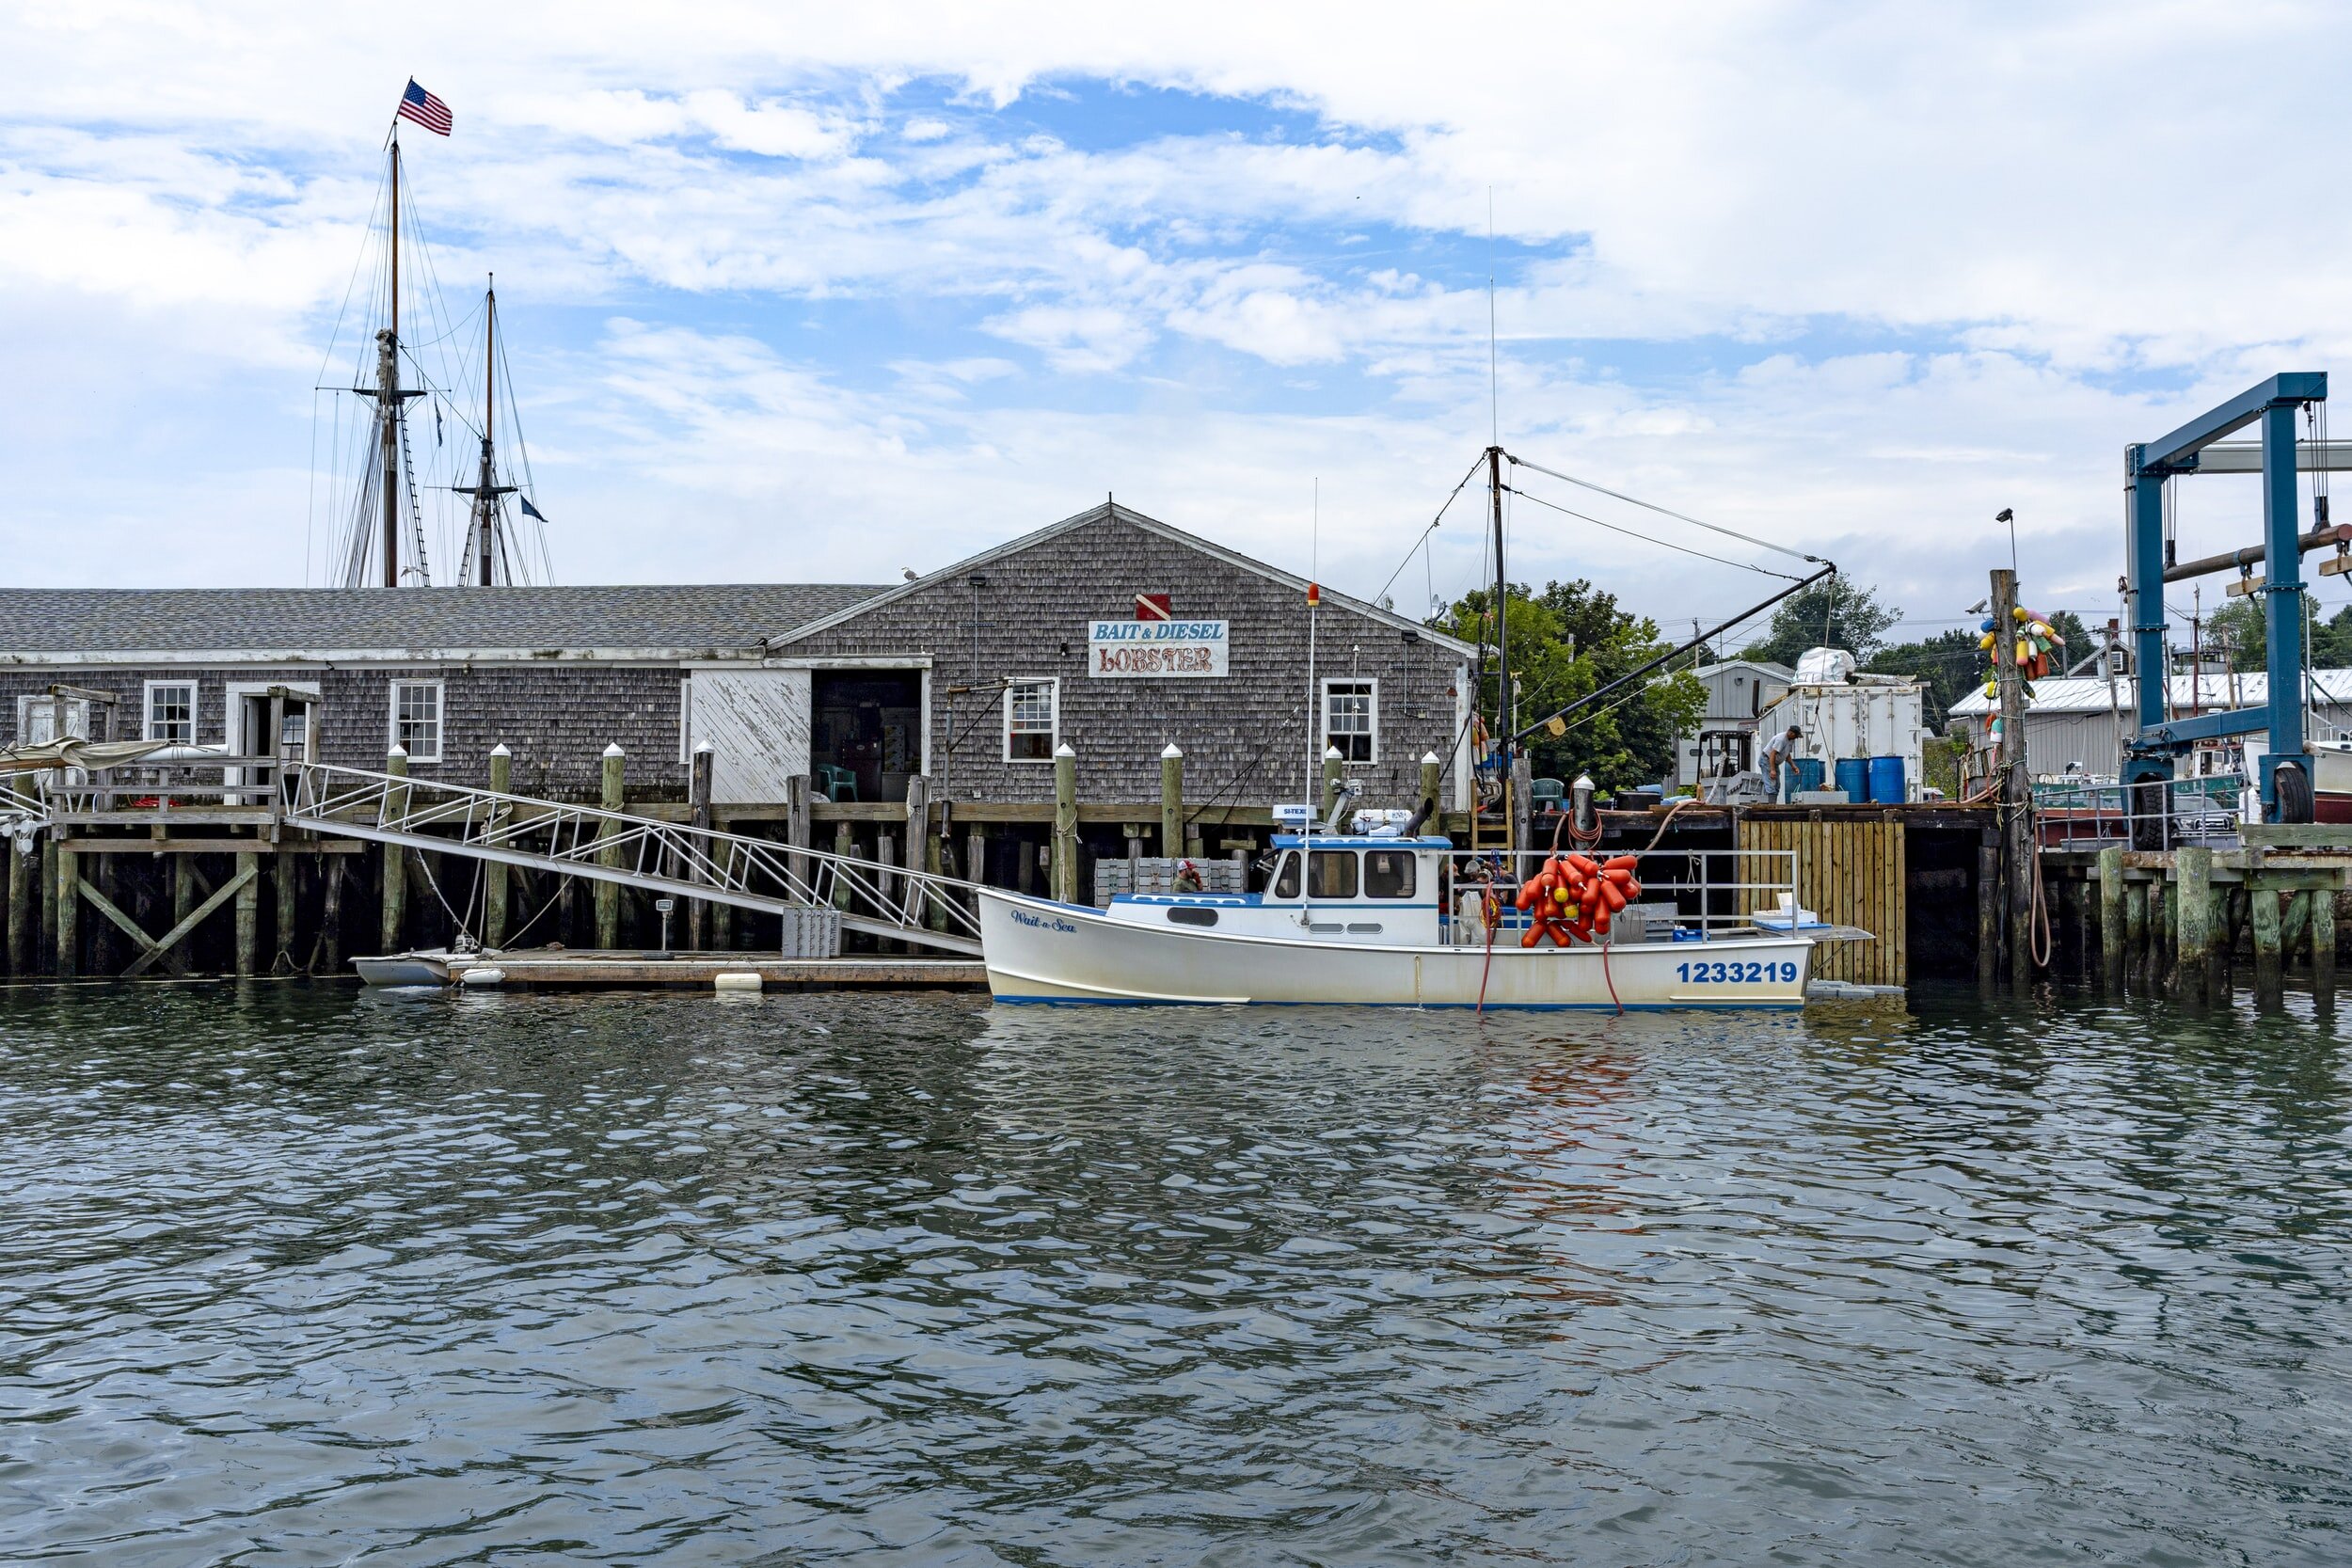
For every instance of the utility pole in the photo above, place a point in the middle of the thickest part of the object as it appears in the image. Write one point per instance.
(2017, 845)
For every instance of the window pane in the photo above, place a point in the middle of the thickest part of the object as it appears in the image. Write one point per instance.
(1029, 721)
(171, 713)
(1332, 875)
(1286, 876)
(1389, 873)
(1347, 719)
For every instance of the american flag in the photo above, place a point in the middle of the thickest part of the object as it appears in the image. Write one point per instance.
(425, 109)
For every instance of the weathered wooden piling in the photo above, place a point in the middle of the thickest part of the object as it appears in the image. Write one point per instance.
(497, 879)
(2269, 977)
(1171, 800)
(844, 846)
(328, 959)
(2324, 948)
(1333, 769)
(395, 898)
(248, 915)
(1988, 913)
(1065, 877)
(1432, 780)
(2192, 870)
(67, 894)
(2111, 919)
(45, 954)
(698, 814)
(608, 895)
(285, 882)
(24, 907)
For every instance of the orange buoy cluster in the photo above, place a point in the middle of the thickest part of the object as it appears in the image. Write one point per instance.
(1575, 897)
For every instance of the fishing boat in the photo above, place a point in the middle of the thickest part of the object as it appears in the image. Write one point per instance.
(1370, 922)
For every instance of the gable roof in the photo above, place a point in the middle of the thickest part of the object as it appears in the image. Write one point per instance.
(1113, 511)
(85, 622)
(1761, 666)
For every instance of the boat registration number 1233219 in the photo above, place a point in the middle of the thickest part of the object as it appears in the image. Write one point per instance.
(1734, 973)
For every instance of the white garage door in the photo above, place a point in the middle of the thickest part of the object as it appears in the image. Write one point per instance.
(756, 725)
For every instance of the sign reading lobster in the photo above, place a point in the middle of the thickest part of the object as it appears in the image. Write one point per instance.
(1575, 897)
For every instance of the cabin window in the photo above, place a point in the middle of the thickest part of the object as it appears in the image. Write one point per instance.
(171, 711)
(1032, 720)
(1191, 915)
(417, 719)
(1331, 874)
(1389, 873)
(1351, 719)
(1286, 876)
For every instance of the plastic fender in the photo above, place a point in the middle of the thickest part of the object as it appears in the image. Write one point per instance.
(1621, 862)
(1600, 924)
(1583, 865)
(1617, 874)
(1611, 896)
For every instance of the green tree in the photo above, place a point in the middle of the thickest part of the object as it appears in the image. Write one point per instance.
(2240, 624)
(1839, 613)
(1568, 643)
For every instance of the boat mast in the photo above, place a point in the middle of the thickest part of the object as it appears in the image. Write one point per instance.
(1504, 716)
(485, 509)
(388, 399)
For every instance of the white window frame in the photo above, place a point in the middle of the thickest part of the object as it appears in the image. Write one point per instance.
(441, 717)
(75, 710)
(147, 709)
(1372, 695)
(1052, 686)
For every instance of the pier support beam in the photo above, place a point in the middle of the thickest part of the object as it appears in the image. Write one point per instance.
(328, 956)
(2136, 935)
(608, 895)
(2269, 978)
(24, 907)
(395, 859)
(248, 915)
(2193, 867)
(65, 889)
(2297, 923)
(1988, 913)
(284, 883)
(698, 813)
(845, 846)
(1065, 876)
(496, 880)
(2324, 948)
(2111, 920)
(1171, 800)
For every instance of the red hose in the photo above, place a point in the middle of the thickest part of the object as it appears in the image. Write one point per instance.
(1611, 979)
(1492, 907)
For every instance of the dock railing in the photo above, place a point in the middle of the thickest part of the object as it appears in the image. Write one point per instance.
(671, 858)
(2090, 815)
(1713, 890)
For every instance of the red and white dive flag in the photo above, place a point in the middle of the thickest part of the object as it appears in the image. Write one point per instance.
(1155, 606)
(425, 109)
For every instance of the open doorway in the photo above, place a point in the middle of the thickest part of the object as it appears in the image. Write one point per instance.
(866, 734)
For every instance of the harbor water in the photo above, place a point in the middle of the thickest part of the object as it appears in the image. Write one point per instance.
(301, 1276)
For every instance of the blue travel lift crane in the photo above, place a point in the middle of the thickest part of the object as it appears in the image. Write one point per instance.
(2285, 777)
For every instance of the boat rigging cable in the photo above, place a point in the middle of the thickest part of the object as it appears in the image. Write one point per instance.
(1636, 533)
(1667, 511)
(1424, 539)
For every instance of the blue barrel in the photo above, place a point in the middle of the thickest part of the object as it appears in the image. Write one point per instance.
(1886, 779)
(1854, 777)
(1803, 773)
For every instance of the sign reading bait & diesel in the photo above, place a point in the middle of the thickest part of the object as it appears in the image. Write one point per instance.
(1159, 649)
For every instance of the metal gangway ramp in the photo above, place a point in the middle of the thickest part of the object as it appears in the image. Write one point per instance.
(671, 858)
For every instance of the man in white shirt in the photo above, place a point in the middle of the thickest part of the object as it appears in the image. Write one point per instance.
(1773, 763)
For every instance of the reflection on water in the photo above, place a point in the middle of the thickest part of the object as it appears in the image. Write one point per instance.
(295, 1278)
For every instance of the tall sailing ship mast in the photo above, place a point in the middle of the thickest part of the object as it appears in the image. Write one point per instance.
(380, 535)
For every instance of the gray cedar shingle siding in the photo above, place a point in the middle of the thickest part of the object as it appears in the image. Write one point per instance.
(1242, 734)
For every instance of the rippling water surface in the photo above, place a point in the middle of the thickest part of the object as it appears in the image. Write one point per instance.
(308, 1276)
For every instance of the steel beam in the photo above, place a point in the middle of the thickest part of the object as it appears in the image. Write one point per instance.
(2246, 457)
(2206, 726)
(2175, 452)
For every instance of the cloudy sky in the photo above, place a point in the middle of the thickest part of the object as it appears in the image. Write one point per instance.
(824, 292)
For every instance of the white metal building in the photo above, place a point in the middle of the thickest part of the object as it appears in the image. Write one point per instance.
(1738, 692)
(2082, 719)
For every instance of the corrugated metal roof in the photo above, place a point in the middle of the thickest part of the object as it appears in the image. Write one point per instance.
(84, 621)
(2089, 694)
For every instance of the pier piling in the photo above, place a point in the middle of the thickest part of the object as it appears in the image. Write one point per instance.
(1065, 877)
(496, 884)
(608, 895)
(2193, 871)
(1171, 800)
(249, 913)
(2324, 948)
(395, 858)
(24, 907)
(2111, 920)
(66, 891)
(2269, 978)
(698, 813)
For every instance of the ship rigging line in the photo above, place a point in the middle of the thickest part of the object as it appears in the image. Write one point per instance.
(1663, 511)
(1430, 530)
(1636, 533)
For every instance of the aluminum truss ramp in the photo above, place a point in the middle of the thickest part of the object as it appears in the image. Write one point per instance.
(670, 858)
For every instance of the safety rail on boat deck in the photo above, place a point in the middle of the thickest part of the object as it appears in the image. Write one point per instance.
(2172, 812)
(1716, 891)
(636, 851)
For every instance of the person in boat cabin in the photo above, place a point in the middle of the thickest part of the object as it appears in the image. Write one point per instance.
(1778, 752)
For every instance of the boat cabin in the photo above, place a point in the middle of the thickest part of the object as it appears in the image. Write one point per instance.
(1384, 891)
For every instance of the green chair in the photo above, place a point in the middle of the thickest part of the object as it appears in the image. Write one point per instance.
(838, 783)
(1550, 795)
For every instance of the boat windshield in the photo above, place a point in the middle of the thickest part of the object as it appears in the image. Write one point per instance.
(1286, 876)
(1389, 873)
(1331, 874)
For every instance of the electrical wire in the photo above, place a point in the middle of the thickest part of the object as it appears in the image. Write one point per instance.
(1424, 539)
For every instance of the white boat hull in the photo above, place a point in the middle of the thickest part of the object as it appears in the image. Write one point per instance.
(403, 969)
(1043, 952)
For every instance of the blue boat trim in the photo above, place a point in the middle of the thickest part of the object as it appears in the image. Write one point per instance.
(1725, 1006)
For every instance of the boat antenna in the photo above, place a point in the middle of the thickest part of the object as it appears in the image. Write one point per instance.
(1494, 372)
